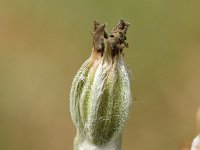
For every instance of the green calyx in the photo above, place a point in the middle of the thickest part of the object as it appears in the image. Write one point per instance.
(100, 94)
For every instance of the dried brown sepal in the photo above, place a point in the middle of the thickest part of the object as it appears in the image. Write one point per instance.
(98, 36)
(96, 24)
(117, 37)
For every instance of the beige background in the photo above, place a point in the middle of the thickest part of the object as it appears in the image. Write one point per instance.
(44, 42)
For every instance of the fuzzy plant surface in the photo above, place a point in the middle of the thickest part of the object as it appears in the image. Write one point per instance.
(100, 95)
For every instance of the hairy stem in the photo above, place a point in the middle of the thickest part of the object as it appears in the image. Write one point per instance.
(84, 144)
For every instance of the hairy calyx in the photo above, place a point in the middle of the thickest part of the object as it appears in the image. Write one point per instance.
(101, 93)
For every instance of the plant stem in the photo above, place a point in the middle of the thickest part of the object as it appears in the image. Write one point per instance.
(81, 143)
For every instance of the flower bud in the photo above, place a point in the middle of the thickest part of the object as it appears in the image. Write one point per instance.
(101, 93)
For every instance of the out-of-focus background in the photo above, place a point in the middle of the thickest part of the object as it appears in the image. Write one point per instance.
(44, 42)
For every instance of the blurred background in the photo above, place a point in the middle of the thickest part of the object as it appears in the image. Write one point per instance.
(44, 42)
